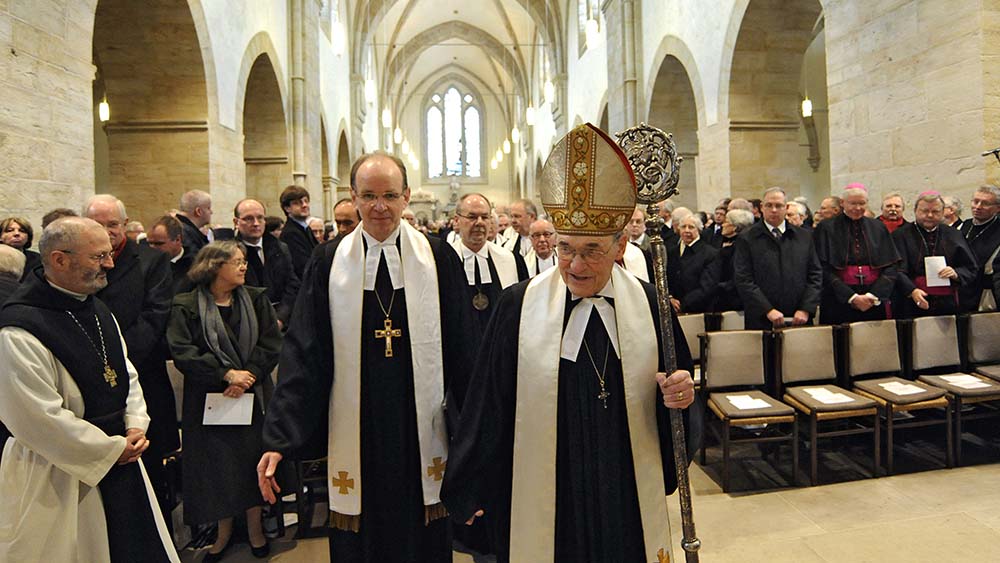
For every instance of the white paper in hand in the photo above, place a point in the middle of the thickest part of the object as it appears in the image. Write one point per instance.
(933, 265)
(221, 410)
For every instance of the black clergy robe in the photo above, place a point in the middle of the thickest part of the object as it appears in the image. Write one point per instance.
(914, 244)
(845, 246)
(783, 274)
(597, 509)
(983, 240)
(32, 260)
(392, 525)
(480, 319)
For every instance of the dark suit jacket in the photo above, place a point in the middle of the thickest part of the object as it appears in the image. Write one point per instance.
(712, 236)
(279, 277)
(982, 245)
(785, 275)
(697, 275)
(139, 293)
(192, 238)
(8, 285)
(179, 271)
(301, 243)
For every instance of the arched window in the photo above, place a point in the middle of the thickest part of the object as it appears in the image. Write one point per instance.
(454, 125)
(588, 14)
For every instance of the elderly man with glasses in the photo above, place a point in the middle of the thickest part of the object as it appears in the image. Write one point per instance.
(542, 255)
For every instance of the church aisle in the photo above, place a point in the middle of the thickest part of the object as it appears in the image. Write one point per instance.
(942, 515)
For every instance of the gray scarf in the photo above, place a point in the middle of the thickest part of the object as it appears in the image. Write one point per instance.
(216, 333)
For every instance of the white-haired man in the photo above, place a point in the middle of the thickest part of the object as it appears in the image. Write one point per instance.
(982, 232)
(74, 485)
(859, 262)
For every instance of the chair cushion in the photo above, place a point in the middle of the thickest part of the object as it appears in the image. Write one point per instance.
(802, 395)
(774, 408)
(992, 388)
(874, 386)
(992, 372)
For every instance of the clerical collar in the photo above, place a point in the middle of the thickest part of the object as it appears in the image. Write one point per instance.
(178, 257)
(984, 223)
(470, 258)
(78, 296)
(639, 240)
(580, 316)
(545, 263)
(375, 251)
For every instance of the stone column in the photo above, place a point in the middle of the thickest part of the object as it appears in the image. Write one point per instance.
(299, 99)
(623, 88)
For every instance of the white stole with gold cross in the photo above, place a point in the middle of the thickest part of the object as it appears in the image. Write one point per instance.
(533, 488)
(423, 328)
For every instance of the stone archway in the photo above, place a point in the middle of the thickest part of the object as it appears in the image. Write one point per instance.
(766, 129)
(343, 167)
(150, 69)
(673, 108)
(265, 136)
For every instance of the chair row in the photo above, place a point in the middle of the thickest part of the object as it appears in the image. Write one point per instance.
(851, 379)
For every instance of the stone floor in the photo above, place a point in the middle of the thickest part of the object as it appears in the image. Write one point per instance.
(939, 515)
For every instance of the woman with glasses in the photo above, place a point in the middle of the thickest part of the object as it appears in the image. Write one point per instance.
(224, 338)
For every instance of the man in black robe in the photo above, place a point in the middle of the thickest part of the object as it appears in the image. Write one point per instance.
(139, 292)
(578, 431)
(928, 236)
(859, 262)
(166, 235)
(75, 408)
(195, 212)
(522, 214)
(269, 261)
(776, 268)
(296, 233)
(982, 232)
(395, 523)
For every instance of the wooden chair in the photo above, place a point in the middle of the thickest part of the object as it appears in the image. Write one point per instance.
(935, 348)
(984, 344)
(806, 367)
(733, 374)
(693, 324)
(872, 360)
(731, 320)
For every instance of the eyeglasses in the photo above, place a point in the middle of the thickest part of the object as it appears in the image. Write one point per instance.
(239, 263)
(99, 258)
(537, 236)
(253, 219)
(590, 255)
(389, 197)
(473, 217)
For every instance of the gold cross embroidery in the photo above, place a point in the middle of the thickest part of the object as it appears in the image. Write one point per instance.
(436, 470)
(388, 335)
(342, 482)
(662, 556)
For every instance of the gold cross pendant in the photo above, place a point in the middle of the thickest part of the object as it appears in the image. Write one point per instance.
(388, 334)
(110, 376)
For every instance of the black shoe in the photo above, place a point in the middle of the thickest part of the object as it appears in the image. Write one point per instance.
(262, 551)
(216, 557)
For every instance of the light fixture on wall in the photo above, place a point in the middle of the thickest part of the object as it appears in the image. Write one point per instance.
(515, 135)
(506, 146)
(549, 90)
(104, 110)
(807, 107)
(406, 146)
(397, 136)
(370, 92)
(386, 117)
(494, 164)
(529, 115)
(498, 156)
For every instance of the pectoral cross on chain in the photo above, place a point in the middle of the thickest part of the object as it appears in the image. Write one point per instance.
(861, 276)
(388, 334)
(437, 469)
(110, 376)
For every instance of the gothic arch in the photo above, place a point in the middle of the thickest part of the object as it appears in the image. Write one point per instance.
(676, 47)
(266, 142)
(673, 108)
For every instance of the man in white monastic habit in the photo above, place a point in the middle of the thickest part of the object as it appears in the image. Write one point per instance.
(489, 269)
(637, 258)
(376, 339)
(564, 437)
(542, 255)
(72, 484)
(518, 238)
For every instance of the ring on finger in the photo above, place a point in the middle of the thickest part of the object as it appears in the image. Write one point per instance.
(680, 395)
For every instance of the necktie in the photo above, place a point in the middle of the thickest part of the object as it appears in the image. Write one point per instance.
(776, 232)
(255, 264)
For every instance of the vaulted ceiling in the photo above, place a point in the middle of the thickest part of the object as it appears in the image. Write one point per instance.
(490, 42)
